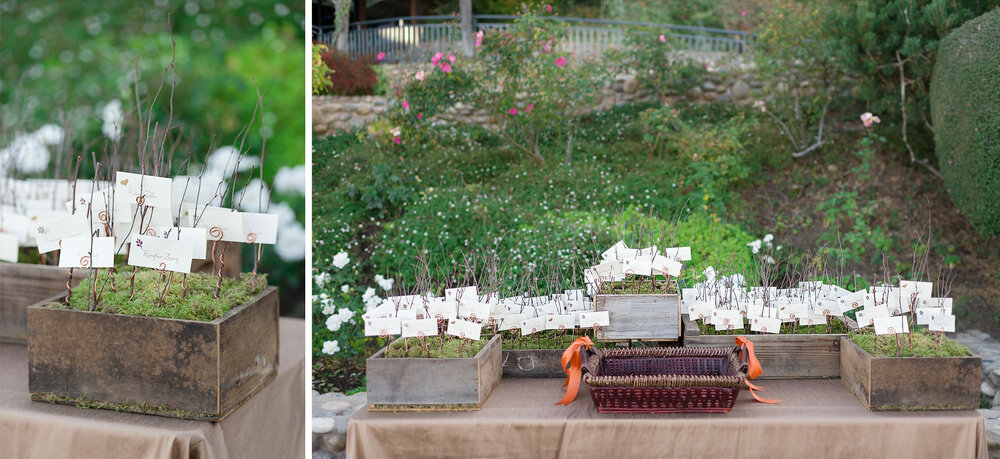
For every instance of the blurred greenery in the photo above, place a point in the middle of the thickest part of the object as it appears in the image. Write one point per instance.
(61, 63)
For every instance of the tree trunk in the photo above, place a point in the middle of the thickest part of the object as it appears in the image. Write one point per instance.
(465, 10)
(342, 23)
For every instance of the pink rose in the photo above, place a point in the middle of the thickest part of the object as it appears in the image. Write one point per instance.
(868, 119)
(529, 108)
(548, 8)
(479, 38)
(406, 104)
(420, 116)
(380, 56)
(512, 111)
(445, 67)
(743, 13)
(451, 57)
(437, 57)
(420, 75)
(663, 39)
(397, 140)
(561, 61)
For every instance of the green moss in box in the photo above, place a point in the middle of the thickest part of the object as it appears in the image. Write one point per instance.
(640, 286)
(452, 346)
(832, 327)
(198, 303)
(923, 344)
(547, 339)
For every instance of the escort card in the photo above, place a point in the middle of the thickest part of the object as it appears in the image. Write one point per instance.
(941, 322)
(160, 254)
(666, 266)
(473, 310)
(765, 324)
(560, 322)
(8, 247)
(464, 329)
(793, 311)
(677, 253)
(260, 228)
(50, 232)
(76, 252)
(469, 293)
(595, 319)
(935, 303)
(818, 319)
(700, 310)
(196, 236)
(827, 308)
(406, 314)
(547, 308)
(639, 266)
(612, 253)
(867, 316)
(442, 310)
(222, 224)
(16, 225)
(891, 325)
(727, 319)
(535, 324)
(419, 328)
(510, 322)
(383, 327)
(144, 190)
(914, 289)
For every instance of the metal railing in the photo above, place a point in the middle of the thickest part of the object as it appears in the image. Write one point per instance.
(416, 38)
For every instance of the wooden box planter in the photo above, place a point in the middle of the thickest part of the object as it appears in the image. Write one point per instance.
(652, 317)
(910, 383)
(416, 384)
(796, 356)
(168, 367)
(533, 363)
(22, 285)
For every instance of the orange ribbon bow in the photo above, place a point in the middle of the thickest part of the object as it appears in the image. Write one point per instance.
(753, 369)
(574, 374)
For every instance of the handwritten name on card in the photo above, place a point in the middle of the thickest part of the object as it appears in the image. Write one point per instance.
(146, 190)
(464, 329)
(383, 327)
(8, 247)
(419, 328)
(765, 324)
(260, 228)
(161, 254)
(50, 232)
(77, 253)
(595, 319)
(941, 322)
(891, 325)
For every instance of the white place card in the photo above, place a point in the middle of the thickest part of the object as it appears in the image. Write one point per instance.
(765, 324)
(666, 266)
(419, 328)
(677, 253)
(535, 324)
(727, 319)
(935, 303)
(640, 266)
(76, 252)
(198, 237)
(442, 310)
(144, 190)
(867, 316)
(828, 307)
(8, 247)
(468, 293)
(793, 311)
(406, 314)
(510, 322)
(161, 254)
(560, 322)
(941, 322)
(260, 228)
(222, 225)
(386, 326)
(16, 225)
(915, 289)
(473, 310)
(50, 232)
(547, 308)
(818, 319)
(700, 310)
(891, 325)
(464, 329)
(612, 253)
(595, 319)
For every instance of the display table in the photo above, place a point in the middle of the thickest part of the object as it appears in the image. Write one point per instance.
(271, 424)
(816, 418)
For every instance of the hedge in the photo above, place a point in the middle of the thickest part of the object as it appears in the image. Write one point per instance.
(965, 109)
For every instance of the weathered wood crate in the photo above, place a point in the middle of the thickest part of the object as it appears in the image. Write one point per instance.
(418, 384)
(167, 367)
(797, 356)
(910, 383)
(652, 317)
(533, 363)
(22, 285)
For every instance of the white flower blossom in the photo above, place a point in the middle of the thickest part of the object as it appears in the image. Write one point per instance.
(331, 347)
(223, 161)
(291, 180)
(113, 118)
(321, 279)
(344, 288)
(329, 309)
(709, 274)
(333, 323)
(254, 197)
(291, 243)
(755, 245)
(345, 314)
(340, 260)
(768, 237)
(386, 284)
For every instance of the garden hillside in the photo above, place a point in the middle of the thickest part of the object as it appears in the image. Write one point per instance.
(805, 169)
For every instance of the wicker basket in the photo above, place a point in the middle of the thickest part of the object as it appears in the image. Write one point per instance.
(664, 380)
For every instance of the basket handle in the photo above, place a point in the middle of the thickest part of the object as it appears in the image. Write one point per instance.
(585, 356)
(744, 363)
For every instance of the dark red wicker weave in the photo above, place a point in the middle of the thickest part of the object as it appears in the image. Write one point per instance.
(664, 380)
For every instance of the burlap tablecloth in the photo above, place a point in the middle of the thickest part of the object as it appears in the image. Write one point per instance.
(817, 418)
(269, 425)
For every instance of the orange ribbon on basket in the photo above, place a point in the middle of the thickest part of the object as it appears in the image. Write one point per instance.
(753, 369)
(574, 373)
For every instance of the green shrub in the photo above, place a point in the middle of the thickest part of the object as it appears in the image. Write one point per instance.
(351, 77)
(321, 74)
(965, 106)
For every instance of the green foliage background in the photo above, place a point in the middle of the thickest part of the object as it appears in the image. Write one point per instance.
(965, 106)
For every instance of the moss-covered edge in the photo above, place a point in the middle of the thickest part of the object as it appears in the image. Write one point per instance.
(122, 407)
